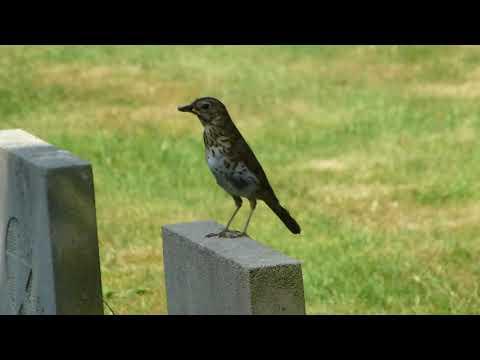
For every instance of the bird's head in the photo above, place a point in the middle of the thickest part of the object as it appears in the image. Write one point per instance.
(209, 110)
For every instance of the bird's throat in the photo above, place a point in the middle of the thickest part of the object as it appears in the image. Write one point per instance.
(216, 136)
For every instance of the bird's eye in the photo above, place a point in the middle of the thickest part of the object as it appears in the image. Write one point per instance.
(205, 106)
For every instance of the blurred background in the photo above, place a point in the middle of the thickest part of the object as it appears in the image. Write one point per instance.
(373, 150)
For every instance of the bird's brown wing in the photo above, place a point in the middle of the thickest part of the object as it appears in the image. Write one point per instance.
(244, 153)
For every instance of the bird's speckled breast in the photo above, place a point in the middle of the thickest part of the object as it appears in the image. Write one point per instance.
(234, 178)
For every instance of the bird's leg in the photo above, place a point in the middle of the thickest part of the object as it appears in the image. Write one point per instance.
(253, 205)
(238, 204)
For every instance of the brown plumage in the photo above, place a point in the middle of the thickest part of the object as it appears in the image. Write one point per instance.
(234, 164)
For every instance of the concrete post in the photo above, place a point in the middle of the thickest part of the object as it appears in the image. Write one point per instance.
(227, 276)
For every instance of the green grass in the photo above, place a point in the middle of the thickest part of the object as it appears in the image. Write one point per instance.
(373, 149)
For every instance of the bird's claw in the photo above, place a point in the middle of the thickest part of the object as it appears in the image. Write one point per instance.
(227, 234)
(212, 235)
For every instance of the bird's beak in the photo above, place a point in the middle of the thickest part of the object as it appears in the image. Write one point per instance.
(186, 108)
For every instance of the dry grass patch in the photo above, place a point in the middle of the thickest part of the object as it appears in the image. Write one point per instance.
(129, 81)
(468, 89)
(84, 75)
(354, 69)
(163, 118)
(135, 255)
(150, 102)
(326, 165)
(388, 208)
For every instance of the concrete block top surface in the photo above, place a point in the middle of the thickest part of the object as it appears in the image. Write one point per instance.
(244, 251)
(37, 151)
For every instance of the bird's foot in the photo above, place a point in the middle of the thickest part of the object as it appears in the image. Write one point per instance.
(234, 234)
(227, 234)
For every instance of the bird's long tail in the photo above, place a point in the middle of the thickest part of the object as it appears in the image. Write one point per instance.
(285, 216)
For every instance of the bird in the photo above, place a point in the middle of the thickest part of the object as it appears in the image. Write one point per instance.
(234, 165)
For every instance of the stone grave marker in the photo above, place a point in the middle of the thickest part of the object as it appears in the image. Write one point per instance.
(49, 258)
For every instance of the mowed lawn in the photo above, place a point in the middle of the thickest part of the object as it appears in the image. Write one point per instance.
(374, 150)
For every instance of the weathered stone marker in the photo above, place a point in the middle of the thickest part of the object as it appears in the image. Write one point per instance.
(49, 259)
(227, 276)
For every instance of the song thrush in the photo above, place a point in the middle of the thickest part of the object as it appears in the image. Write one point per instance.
(234, 164)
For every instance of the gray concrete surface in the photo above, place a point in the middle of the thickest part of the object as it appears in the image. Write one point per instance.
(49, 259)
(227, 276)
